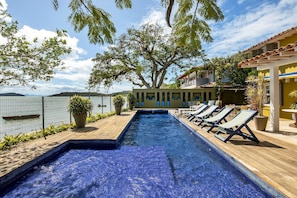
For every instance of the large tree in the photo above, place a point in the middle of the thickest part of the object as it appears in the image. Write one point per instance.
(237, 75)
(23, 61)
(143, 56)
(227, 71)
(189, 22)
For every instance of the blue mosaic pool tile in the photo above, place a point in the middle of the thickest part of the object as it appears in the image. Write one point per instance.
(128, 172)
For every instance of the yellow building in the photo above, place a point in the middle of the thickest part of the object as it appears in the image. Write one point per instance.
(172, 98)
(276, 58)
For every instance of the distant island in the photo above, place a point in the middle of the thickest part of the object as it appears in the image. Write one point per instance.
(86, 94)
(69, 94)
(11, 94)
(80, 94)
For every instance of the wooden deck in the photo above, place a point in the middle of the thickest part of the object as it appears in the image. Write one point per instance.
(274, 159)
(105, 129)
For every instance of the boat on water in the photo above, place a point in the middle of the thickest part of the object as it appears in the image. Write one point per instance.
(21, 117)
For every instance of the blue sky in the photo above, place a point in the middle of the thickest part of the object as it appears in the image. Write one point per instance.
(246, 23)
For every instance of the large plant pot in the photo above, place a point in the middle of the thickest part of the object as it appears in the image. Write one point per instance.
(80, 120)
(261, 122)
(118, 110)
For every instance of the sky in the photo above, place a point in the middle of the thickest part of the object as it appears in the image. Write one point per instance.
(246, 23)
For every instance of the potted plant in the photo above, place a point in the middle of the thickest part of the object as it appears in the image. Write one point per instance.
(118, 102)
(79, 107)
(293, 94)
(131, 100)
(255, 98)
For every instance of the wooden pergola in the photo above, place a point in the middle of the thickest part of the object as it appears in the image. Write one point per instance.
(272, 60)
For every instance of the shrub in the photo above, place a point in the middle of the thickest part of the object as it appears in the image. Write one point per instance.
(118, 100)
(79, 105)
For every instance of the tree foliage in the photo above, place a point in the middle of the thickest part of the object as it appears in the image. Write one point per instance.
(237, 75)
(22, 61)
(85, 14)
(189, 22)
(142, 56)
(226, 69)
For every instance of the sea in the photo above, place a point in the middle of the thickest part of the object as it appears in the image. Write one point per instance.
(54, 108)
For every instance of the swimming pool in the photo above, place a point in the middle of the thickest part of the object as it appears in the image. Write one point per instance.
(158, 157)
(197, 168)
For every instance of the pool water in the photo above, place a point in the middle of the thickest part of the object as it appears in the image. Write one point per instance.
(158, 157)
(198, 171)
(129, 171)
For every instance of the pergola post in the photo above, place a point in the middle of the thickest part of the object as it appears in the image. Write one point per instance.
(274, 98)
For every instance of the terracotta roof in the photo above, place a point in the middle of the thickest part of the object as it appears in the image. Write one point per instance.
(269, 57)
(276, 38)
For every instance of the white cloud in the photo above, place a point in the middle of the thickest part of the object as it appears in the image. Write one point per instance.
(75, 75)
(240, 1)
(154, 17)
(157, 17)
(42, 34)
(256, 25)
(220, 2)
(4, 5)
(76, 72)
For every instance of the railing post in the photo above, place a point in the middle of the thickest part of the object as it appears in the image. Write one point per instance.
(43, 125)
(70, 119)
(110, 103)
(102, 103)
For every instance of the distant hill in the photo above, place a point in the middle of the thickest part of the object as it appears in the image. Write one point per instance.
(11, 94)
(122, 93)
(85, 94)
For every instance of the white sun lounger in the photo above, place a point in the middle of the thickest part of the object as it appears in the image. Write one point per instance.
(234, 126)
(193, 108)
(205, 114)
(192, 115)
(217, 119)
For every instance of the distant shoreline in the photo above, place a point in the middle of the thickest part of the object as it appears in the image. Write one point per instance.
(69, 94)
(11, 94)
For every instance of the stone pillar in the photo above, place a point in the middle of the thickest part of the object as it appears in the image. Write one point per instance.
(274, 98)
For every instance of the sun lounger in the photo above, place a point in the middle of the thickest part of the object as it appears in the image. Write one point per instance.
(235, 126)
(198, 119)
(217, 119)
(189, 110)
(192, 115)
(195, 108)
(211, 102)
